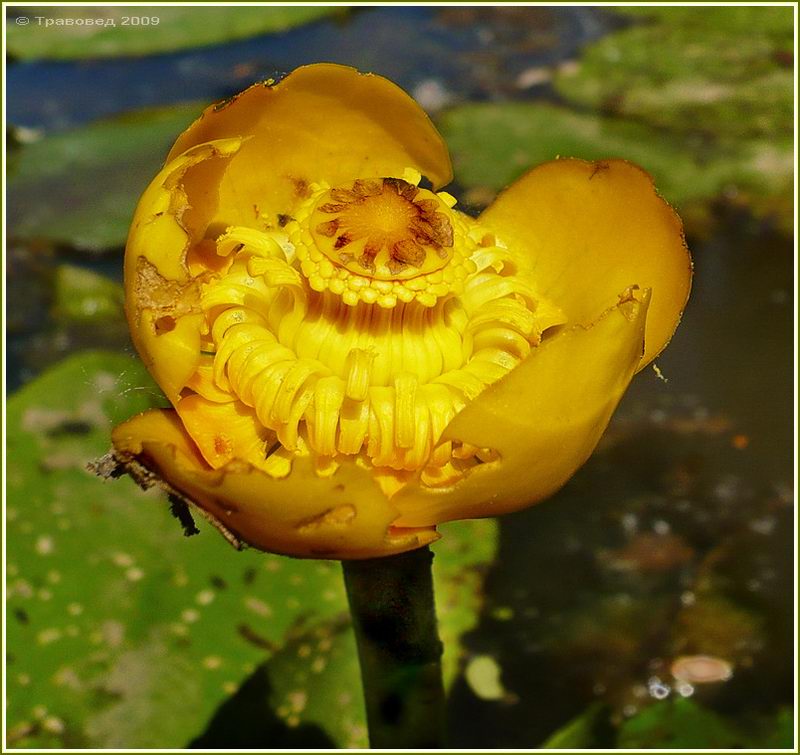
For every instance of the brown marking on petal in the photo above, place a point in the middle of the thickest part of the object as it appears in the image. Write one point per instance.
(164, 324)
(428, 205)
(364, 188)
(283, 220)
(328, 229)
(165, 297)
(422, 231)
(598, 167)
(343, 195)
(409, 252)
(301, 188)
(337, 516)
(395, 266)
(374, 245)
(400, 187)
(222, 445)
(342, 240)
(367, 262)
(329, 207)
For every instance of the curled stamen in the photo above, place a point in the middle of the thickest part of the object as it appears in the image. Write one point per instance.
(337, 363)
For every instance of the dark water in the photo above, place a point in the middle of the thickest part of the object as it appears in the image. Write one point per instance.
(697, 470)
(670, 475)
(469, 52)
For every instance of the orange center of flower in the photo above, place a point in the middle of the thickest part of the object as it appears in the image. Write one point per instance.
(387, 229)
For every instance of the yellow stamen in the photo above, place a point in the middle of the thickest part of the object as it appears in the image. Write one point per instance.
(338, 357)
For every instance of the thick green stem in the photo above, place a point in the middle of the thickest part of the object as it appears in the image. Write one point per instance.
(391, 602)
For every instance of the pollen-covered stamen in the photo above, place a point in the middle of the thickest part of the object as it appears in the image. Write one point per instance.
(384, 228)
(382, 241)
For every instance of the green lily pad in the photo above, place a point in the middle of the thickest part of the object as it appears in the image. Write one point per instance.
(82, 295)
(724, 77)
(308, 695)
(105, 32)
(680, 724)
(115, 617)
(772, 22)
(309, 692)
(494, 143)
(80, 188)
(581, 732)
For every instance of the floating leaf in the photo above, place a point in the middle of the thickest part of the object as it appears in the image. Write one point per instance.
(718, 71)
(79, 188)
(103, 32)
(307, 695)
(465, 549)
(114, 616)
(311, 688)
(771, 22)
(492, 144)
(82, 295)
(680, 724)
(580, 733)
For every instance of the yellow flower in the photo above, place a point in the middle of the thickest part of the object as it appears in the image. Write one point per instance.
(352, 360)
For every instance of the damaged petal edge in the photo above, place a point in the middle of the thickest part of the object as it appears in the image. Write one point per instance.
(114, 464)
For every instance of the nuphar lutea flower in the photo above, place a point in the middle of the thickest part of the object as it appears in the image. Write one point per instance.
(351, 359)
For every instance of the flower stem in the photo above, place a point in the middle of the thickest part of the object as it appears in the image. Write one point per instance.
(399, 650)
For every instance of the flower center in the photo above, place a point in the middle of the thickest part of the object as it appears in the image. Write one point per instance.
(365, 326)
(381, 241)
(385, 229)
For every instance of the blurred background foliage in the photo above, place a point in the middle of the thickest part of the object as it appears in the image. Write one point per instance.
(561, 623)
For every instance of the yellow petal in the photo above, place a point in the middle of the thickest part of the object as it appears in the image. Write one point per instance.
(322, 122)
(543, 419)
(591, 230)
(161, 299)
(224, 431)
(308, 514)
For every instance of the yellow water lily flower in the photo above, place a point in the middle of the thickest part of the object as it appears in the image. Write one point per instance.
(352, 360)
